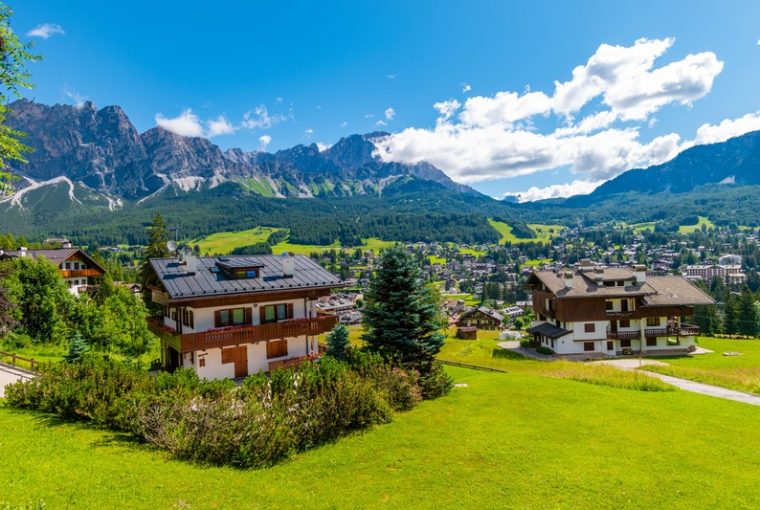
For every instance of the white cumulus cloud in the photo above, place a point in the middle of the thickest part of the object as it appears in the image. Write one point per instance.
(614, 93)
(556, 191)
(466, 88)
(219, 126)
(728, 128)
(264, 141)
(389, 113)
(185, 124)
(46, 30)
(260, 118)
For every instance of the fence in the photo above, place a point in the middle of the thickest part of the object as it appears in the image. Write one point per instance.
(29, 363)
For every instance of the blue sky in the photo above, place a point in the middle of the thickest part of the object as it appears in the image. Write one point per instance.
(275, 74)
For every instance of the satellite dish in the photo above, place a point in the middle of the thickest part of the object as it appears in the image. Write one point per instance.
(171, 246)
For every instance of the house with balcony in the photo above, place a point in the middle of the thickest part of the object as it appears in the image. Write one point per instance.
(74, 265)
(229, 317)
(597, 311)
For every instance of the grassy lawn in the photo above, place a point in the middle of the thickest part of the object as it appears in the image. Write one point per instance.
(223, 243)
(688, 229)
(641, 227)
(544, 233)
(511, 440)
(435, 259)
(486, 352)
(736, 372)
(537, 262)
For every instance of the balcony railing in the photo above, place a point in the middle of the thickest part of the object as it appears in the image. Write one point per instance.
(623, 335)
(684, 330)
(79, 273)
(655, 332)
(250, 334)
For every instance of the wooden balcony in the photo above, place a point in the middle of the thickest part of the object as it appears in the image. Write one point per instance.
(684, 330)
(251, 334)
(80, 273)
(623, 335)
(159, 297)
(655, 332)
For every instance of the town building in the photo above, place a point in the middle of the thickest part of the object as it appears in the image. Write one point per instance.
(481, 317)
(598, 311)
(731, 274)
(74, 265)
(228, 317)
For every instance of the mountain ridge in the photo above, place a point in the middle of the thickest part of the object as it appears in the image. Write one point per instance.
(102, 149)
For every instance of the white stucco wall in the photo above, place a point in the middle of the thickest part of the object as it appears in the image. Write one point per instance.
(579, 330)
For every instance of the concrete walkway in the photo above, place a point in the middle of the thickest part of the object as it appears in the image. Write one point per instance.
(10, 375)
(685, 384)
(514, 346)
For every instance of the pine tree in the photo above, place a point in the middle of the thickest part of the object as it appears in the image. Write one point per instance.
(337, 342)
(707, 319)
(401, 314)
(8, 319)
(730, 316)
(747, 314)
(77, 349)
(156, 249)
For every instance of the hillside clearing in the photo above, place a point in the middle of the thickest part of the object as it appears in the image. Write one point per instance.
(703, 221)
(544, 233)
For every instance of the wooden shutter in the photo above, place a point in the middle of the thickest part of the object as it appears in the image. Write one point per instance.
(290, 311)
(262, 314)
(228, 355)
(217, 318)
(248, 315)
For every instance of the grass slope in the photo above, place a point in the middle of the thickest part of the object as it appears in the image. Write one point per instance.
(544, 233)
(223, 243)
(505, 440)
(736, 372)
(688, 229)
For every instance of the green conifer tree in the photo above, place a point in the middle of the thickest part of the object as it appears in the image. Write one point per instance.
(77, 349)
(401, 313)
(747, 314)
(156, 248)
(730, 315)
(337, 342)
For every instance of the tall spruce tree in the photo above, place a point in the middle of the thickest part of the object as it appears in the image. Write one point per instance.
(730, 315)
(747, 314)
(156, 248)
(401, 314)
(707, 319)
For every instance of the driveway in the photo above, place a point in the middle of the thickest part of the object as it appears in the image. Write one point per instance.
(10, 375)
(685, 384)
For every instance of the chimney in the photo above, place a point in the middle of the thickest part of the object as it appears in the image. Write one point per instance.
(567, 275)
(67, 244)
(640, 272)
(288, 265)
(22, 251)
(599, 276)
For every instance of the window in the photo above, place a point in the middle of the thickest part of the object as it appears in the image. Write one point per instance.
(588, 346)
(188, 318)
(276, 313)
(651, 342)
(277, 349)
(589, 328)
(610, 346)
(625, 343)
(231, 317)
(68, 265)
(653, 321)
(623, 305)
(608, 305)
(625, 323)
(246, 273)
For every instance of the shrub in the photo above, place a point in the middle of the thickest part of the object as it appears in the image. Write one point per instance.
(256, 424)
(541, 349)
(436, 383)
(526, 342)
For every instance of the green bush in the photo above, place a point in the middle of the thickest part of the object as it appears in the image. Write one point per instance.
(541, 349)
(526, 342)
(436, 383)
(261, 422)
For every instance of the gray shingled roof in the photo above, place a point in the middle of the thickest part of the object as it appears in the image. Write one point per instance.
(55, 256)
(207, 281)
(656, 291)
(548, 330)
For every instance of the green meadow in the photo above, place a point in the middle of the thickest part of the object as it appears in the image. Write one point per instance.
(544, 233)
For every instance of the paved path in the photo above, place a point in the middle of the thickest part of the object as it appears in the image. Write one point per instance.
(685, 384)
(10, 375)
(514, 346)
